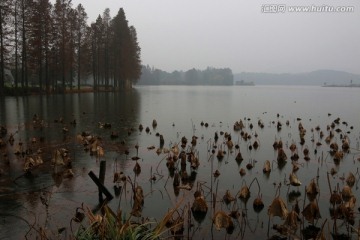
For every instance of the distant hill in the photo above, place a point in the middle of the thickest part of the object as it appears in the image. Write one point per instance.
(317, 78)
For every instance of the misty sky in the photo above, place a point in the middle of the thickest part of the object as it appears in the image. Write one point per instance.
(182, 34)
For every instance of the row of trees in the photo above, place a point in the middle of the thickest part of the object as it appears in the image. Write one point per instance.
(51, 47)
(209, 76)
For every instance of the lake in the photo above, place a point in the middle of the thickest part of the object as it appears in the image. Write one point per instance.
(49, 199)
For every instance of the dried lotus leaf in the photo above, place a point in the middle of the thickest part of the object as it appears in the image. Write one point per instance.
(281, 155)
(294, 181)
(242, 172)
(334, 146)
(100, 151)
(275, 145)
(58, 158)
(311, 212)
(312, 188)
(295, 166)
(267, 167)
(239, 157)
(199, 208)
(278, 208)
(220, 154)
(258, 204)
(222, 220)
(351, 203)
(350, 180)
(346, 193)
(255, 144)
(343, 212)
(228, 198)
(137, 168)
(138, 202)
(116, 177)
(345, 146)
(306, 151)
(338, 155)
(244, 192)
(199, 205)
(335, 198)
(229, 144)
(216, 173)
(293, 147)
(292, 220)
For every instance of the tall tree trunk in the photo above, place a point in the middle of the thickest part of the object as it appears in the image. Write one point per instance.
(40, 67)
(79, 63)
(2, 65)
(24, 75)
(16, 47)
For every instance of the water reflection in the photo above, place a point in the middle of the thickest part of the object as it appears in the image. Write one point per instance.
(32, 118)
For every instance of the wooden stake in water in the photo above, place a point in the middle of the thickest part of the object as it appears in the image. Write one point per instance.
(100, 182)
(102, 177)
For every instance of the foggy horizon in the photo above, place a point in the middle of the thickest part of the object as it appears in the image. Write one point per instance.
(242, 36)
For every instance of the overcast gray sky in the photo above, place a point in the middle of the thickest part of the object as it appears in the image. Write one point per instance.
(182, 34)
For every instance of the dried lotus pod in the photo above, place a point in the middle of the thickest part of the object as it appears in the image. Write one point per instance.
(278, 208)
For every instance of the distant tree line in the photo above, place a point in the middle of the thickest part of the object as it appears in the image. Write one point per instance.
(209, 76)
(51, 48)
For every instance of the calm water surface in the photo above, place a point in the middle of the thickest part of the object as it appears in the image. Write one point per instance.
(179, 111)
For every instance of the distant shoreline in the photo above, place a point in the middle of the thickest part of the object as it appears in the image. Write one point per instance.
(342, 85)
